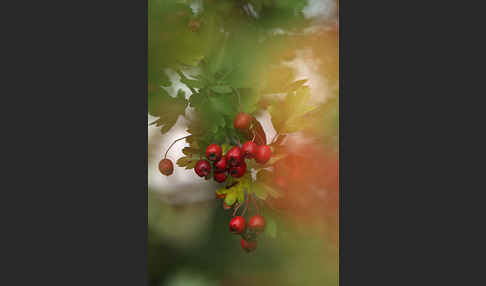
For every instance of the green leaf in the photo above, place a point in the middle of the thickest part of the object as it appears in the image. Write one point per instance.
(289, 116)
(183, 161)
(259, 191)
(191, 164)
(240, 197)
(275, 158)
(230, 198)
(295, 85)
(271, 227)
(190, 151)
(225, 148)
(191, 83)
(221, 104)
(221, 88)
(167, 108)
(164, 79)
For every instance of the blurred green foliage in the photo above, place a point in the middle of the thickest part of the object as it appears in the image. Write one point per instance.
(192, 244)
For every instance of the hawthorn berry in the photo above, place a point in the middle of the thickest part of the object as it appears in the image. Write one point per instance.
(263, 154)
(237, 225)
(239, 170)
(214, 152)
(220, 177)
(234, 156)
(242, 121)
(221, 164)
(248, 246)
(202, 168)
(249, 149)
(166, 167)
(256, 224)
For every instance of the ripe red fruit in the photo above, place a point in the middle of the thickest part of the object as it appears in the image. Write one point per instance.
(249, 149)
(220, 177)
(221, 165)
(242, 121)
(202, 168)
(257, 224)
(234, 156)
(248, 246)
(239, 170)
(214, 152)
(237, 224)
(263, 154)
(166, 167)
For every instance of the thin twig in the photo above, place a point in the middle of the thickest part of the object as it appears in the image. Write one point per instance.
(274, 137)
(246, 206)
(236, 209)
(256, 204)
(165, 156)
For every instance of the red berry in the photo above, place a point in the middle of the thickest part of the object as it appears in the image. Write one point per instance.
(257, 224)
(202, 168)
(242, 121)
(249, 149)
(214, 152)
(238, 171)
(248, 246)
(234, 156)
(263, 154)
(237, 225)
(220, 177)
(166, 167)
(221, 165)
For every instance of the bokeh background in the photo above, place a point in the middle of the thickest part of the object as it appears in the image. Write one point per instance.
(188, 238)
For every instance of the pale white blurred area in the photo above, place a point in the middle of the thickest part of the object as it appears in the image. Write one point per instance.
(306, 66)
(320, 9)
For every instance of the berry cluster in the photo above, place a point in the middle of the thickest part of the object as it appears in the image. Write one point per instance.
(248, 231)
(233, 162)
